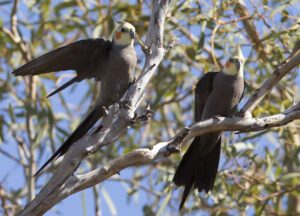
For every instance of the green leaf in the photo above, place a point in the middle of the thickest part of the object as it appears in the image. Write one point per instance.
(289, 176)
(64, 5)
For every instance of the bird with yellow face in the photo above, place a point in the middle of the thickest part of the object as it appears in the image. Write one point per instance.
(217, 94)
(111, 63)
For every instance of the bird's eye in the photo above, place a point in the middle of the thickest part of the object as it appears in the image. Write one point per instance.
(231, 60)
(122, 30)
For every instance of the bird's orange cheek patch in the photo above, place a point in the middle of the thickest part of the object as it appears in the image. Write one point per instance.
(118, 35)
(227, 65)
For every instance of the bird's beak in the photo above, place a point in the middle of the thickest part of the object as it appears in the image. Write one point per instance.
(237, 65)
(131, 33)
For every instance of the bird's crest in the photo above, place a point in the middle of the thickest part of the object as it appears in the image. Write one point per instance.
(235, 64)
(238, 54)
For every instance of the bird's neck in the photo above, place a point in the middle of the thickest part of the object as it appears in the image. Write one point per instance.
(233, 71)
(123, 42)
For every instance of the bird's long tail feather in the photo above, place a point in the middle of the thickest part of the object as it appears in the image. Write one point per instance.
(197, 169)
(80, 131)
(62, 87)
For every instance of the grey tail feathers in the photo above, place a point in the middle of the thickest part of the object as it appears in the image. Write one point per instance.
(80, 131)
(196, 169)
(185, 194)
(65, 85)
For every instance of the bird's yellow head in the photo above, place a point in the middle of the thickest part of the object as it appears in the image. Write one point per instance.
(235, 65)
(124, 35)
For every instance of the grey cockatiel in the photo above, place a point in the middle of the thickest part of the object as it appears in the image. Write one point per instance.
(90, 58)
(217, 93)
(111, 62)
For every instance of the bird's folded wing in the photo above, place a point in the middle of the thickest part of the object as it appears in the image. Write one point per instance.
(203, 89)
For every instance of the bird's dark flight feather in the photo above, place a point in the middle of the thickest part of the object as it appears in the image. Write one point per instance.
(62, 87)
(216, 94)
(80, 131)
(83, 56)
(185, 174)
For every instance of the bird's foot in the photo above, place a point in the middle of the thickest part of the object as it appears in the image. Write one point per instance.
(246, 114)
(125, 103)
(174, 144)
(147, 50)
(133, 81)
(105, 110)
(171, 44)
(172, 149)
(147, 114)
(218, 117)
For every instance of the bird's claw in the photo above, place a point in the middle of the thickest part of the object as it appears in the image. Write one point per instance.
(174, 144)
(218, 117)
(172, 43)
(133, 81)
(105, 110)
(133, 120)
(241, 114)
(148, 113)
(146, 50)
(145, 116)
(124, 103)
(171, 149)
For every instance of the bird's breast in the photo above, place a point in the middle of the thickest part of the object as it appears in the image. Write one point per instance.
(226, 94)
(118, 76)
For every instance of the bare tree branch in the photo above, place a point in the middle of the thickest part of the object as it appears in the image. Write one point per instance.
(119, 118)
(162, 150)
(278, 74)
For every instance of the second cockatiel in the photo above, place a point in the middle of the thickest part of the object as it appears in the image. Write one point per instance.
(110, 62)
(217, 94)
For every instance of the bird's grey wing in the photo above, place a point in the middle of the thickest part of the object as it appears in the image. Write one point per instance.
(80, 56)
(184, 175)
(240, 97)
(84, 56)
(203, 89)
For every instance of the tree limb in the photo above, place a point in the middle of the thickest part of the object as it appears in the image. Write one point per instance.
(162, 150)
(266, 87)
(119, 118)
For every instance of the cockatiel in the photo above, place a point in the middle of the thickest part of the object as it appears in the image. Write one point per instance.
(217, 94)
(110, 62)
